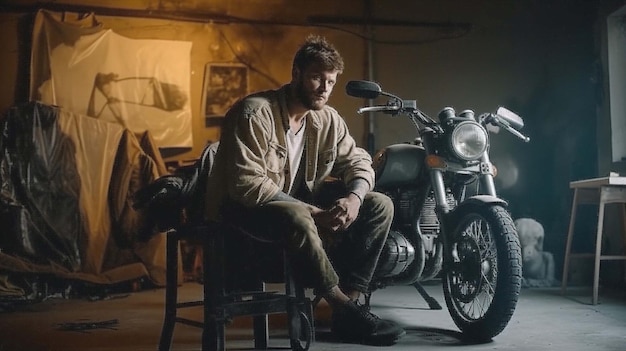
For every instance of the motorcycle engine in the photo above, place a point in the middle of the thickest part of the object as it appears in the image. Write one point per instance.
(423, 220)
(428, 224)
(410, 225)
(398, 253)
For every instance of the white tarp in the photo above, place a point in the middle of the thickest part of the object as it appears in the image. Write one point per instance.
(141, 84)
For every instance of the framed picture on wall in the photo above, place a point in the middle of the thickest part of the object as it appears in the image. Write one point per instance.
(224, 84)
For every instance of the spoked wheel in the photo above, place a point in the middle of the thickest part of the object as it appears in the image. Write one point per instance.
(482, 279)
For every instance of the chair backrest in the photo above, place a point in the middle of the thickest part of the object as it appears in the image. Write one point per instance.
(195, 187)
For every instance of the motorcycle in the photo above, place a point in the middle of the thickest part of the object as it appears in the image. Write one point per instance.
(448, 221)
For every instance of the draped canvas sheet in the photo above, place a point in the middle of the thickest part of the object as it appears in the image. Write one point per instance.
(139, 84)
(70, 179)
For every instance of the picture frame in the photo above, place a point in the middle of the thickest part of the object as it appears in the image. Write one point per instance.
(224, 84)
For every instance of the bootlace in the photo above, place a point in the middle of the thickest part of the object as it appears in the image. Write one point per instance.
(364, 310)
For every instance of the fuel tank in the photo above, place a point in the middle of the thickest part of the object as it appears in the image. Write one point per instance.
(399, 165)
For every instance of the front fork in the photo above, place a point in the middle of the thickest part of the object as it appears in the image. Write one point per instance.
(439, 191)
(443, 209)
(487, 183)
(486, 170)
(487, 173)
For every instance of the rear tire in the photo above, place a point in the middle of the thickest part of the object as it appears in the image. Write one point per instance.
(483, 271)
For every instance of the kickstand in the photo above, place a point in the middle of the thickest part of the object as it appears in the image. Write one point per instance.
(432, 303)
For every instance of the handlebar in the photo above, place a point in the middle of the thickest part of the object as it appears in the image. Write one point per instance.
(517, 133)
(380, 108)
(370, 90)
(501, 121)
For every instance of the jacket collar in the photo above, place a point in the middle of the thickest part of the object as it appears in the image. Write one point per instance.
(282, 104)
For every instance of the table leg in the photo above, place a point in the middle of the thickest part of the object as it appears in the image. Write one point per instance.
(596, 267)
(568, 245)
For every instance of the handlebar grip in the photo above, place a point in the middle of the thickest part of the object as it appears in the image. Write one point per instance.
(517, 133)
(382, 108)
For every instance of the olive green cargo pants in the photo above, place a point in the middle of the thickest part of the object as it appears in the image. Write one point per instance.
(322, 260)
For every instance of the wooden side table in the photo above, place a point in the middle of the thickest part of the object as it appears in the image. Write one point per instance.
(600, 191)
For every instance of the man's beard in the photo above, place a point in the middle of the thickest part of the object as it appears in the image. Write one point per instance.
(306, 99)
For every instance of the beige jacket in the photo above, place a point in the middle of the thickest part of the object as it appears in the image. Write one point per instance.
(251, 164)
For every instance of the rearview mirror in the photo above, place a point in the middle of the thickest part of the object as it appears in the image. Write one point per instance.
(363, 89)
(514, 120)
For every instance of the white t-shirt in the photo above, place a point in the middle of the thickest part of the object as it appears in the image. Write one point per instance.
(295, 147)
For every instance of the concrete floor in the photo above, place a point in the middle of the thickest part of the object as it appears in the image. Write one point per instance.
(544, 320)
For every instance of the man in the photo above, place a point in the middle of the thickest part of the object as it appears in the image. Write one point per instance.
(276, 152)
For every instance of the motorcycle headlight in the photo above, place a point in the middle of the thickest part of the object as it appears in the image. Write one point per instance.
(468, 140)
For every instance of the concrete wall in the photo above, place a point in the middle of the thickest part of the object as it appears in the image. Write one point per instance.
(539, 58)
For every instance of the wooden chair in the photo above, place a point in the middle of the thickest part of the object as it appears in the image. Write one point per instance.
(165, 200)
(221, 305)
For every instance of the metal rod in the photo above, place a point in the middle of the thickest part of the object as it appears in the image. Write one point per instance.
(218, 18)
(371, 123)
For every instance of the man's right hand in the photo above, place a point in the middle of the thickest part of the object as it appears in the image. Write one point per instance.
(332, 219)
(335, 218)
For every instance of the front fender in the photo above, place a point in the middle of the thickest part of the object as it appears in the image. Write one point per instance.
(476, 200)
(452, 218)
(483, 199)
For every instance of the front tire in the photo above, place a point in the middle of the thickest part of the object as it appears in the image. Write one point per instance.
(483, 271)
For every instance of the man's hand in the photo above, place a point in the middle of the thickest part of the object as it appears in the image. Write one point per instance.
(341, 215)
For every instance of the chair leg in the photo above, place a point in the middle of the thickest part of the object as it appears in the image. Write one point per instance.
(214, 328)
(307, 308)
(261, 332)
(300, 317)
(171, 291)
(309, 312)
(213, 335)
(213, 332)
(293, 315)
(301, 329)
(260, 323)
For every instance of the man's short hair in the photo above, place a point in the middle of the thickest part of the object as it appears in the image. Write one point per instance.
(317, 50)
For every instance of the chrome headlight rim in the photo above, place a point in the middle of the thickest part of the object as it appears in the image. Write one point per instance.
(457, 144)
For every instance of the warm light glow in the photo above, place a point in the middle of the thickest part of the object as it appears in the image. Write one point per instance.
(436, 162)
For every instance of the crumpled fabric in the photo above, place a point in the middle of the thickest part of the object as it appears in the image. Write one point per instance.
(40, 188)
(67, 184)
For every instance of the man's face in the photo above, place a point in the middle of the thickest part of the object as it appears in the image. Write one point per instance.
(313, 86)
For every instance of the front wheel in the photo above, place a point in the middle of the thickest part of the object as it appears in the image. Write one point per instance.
(483, 272)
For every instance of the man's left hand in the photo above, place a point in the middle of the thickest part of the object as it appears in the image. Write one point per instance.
(345, 211)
